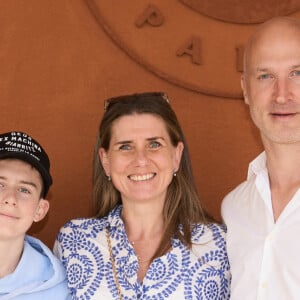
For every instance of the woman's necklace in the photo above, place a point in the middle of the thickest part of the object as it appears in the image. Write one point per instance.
(140, 260)
(114, 269)
(143, 264)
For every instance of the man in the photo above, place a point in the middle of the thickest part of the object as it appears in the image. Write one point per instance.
(28, 269)
(263, 213)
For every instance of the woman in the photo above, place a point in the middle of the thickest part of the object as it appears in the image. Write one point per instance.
(150, 238)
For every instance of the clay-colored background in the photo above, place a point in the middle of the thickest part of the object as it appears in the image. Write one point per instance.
(57, 67)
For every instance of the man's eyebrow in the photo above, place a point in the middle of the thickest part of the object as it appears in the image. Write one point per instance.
(265, 69)
(262, 69)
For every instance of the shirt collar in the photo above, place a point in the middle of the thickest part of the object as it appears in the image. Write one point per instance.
(114, 217)
(258, 165)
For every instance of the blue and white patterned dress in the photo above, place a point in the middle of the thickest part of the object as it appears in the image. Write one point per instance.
(200, 273)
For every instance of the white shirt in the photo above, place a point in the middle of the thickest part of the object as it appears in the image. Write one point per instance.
(264, 256)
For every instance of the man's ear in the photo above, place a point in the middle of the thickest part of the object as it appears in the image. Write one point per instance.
(41, 210)
(244, 89)
(104, 161)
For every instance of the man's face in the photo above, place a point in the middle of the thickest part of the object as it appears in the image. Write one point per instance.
(271, 83)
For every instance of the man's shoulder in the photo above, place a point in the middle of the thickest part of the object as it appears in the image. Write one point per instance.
(239, 195)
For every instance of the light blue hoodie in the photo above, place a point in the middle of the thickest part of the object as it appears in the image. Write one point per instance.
(38, 276)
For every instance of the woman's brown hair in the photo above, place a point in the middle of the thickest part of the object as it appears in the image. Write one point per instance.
(182, 206)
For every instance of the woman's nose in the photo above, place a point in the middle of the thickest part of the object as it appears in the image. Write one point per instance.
(141, 157)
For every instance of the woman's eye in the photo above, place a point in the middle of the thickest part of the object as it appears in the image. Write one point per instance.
(155, 144)
(125, 147)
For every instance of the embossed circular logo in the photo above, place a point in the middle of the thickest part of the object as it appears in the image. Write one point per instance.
(243, 11)
(188, 42)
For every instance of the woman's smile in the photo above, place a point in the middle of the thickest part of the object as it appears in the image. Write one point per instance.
(143, 177)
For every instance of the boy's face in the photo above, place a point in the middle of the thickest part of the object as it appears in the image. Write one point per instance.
(20, 203)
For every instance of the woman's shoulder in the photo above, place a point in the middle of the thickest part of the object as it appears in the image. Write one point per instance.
(208, 232)
(209, 239)
(92, 226)
(84, 224)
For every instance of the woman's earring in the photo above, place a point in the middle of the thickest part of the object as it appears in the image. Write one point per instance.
(108, 178)
(174, 174)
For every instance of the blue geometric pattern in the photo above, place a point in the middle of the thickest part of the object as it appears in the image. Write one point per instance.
(199, 273)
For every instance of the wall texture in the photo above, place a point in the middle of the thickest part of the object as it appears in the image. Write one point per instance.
(61, 59)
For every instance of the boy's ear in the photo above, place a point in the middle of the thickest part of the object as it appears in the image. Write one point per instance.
(41, 210)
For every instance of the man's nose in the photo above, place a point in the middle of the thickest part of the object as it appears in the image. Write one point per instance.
(282, 90)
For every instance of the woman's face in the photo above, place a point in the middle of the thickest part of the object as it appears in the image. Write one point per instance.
(141, 159)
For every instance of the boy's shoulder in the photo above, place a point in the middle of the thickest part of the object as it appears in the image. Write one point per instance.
(40, 256)
(46, 277)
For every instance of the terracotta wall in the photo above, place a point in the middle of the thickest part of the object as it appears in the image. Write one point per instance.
(60, 59)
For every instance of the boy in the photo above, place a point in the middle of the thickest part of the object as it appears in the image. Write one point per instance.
(28, 269)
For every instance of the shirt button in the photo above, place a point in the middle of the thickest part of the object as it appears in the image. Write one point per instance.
(264, 285)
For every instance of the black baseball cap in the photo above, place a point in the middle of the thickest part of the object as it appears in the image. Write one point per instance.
(19, 145)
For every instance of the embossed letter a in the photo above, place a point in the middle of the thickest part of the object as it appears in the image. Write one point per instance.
(192, 47)
(151, 15)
